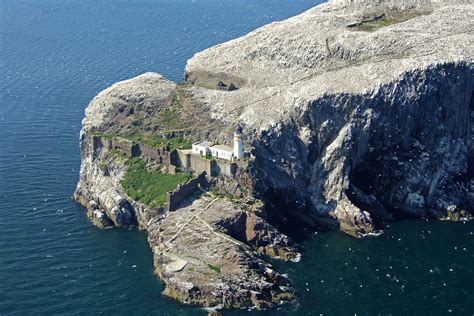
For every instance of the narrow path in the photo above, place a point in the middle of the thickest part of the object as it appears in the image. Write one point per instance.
(244, 247)
(238, 243)
(192, 218)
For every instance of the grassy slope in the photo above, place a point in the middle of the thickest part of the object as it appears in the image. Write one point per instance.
(150, 140)
(372, 26)
(149, 187)
(155, 141)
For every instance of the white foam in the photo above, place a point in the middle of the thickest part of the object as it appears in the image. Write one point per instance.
(373, 234)
(297, 258)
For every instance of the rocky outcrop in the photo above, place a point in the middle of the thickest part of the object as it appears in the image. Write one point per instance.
(347, 123)
(198, 250)
(204, 259)
(353, 111)
(99, 188)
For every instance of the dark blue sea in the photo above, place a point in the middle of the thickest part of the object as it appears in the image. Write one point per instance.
(55, 55)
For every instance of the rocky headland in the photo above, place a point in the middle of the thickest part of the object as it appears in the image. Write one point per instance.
(354, 112)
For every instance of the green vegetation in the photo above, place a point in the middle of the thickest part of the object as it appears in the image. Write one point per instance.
(156, 141)
(179, 143)
(145, 139)
(214, 191)
(184, 84)
(115, 153)
(375, 25)
(104, 134)
(149, 187)
(170, 117)
(209, 157)
(102, 165)
(151, 140)
(230, 196)
(393, 18)
(111, 155)
(207, 85)
(214, 268)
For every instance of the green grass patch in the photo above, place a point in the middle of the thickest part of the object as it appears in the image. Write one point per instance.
(184, 84)
(170, 118)
(151, 140)
(145, 139)
(156, 141)
(104, 134)
(214, 190)
(208, 156)
(230, 196)
(115, 153)
(207, 85)
(390, 19)
(375, 25)
(179, 143)
(149, 187)
(214, 268)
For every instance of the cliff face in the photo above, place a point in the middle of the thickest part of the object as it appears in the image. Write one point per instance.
(354, 111)
(209, 251)
(117, 109)
(400, 148)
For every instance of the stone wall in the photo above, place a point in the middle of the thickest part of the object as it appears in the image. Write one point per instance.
(200, 164)
(181, 159)
(226, 168)
(130, 149)
(125, 146)
(176, 158)
(183, 191)
(172, 169)
(97, 144)
(161, 155)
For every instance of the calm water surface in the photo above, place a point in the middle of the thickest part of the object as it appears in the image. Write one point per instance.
(54, 57)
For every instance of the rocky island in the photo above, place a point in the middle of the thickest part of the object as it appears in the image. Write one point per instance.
(352, 113)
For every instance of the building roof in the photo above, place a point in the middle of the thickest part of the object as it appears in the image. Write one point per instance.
(238, 130)
(224, 147)
(232, 87)
(204, 143)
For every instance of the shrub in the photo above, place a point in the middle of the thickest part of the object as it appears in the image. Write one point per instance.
(214, 268)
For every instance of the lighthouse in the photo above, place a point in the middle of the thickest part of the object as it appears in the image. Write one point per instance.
(238, 145)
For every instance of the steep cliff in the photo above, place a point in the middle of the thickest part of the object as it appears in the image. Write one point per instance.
(354, 111)
(209, 251)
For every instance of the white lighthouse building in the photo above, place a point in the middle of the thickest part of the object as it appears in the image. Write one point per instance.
(207, 148)
(238, 145)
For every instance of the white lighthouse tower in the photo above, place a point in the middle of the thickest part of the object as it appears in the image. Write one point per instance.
(238, 145)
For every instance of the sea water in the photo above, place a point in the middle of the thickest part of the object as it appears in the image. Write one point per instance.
(55, 56)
